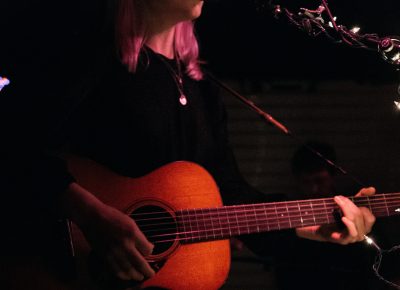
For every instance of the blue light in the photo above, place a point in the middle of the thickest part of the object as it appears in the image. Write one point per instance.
(4, 82)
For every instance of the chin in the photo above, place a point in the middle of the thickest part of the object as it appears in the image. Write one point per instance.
(196, 11)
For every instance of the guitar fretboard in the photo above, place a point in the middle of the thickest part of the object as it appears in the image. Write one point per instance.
(204, 224)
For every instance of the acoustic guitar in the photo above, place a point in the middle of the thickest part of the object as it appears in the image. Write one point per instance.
(179, 209)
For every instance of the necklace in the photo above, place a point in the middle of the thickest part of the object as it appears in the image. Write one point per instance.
(177, 76)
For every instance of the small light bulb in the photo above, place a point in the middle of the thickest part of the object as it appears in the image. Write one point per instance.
(368, 240)
(277, 10)
(371, 242)
(355, 29)
(397, 104)
(390, 49)
(396, 57)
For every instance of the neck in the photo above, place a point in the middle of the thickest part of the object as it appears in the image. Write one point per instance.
(162, 42)
(160, 31)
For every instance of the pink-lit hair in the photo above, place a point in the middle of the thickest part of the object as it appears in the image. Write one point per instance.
(131, 33)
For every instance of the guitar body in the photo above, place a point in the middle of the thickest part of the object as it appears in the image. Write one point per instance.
(175, 186)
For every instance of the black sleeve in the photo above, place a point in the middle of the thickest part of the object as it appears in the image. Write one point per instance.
(32, 173)
(45, 52)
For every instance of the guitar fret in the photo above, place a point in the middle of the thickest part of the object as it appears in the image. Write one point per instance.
(190, 225)
(369, 204)
(319, 210)
(213, 225)
(237, 221)
(387, 210)
(228, 222)
(287, 210)
(182, 226)
(295, 215)
(277, 217)
(266, 217)
(326, 211)
(198, 232)
(256, 220)
(301, 214)
(313, 213)
(204, 223)
(210, 226)
(307, 213)
(272, 216)
(221, 227)
(283, 220)
(246, 220)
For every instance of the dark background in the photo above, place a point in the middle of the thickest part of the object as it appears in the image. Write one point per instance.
(238, 41)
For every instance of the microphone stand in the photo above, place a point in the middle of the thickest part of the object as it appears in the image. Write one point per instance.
(271, 120)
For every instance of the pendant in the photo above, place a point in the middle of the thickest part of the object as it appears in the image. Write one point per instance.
(183, 100)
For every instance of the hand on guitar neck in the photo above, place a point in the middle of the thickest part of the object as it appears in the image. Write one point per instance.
(112, 234)
(358, 222)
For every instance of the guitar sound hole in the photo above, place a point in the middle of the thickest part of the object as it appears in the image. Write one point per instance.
(158, 225)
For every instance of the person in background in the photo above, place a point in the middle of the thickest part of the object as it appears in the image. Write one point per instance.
(298, 260)
(314, 176)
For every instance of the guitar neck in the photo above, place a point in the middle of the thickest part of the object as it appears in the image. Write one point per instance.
(196, 225)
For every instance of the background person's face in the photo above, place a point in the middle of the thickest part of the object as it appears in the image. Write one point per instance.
(316, 184)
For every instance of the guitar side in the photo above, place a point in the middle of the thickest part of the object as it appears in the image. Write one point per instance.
(178, 185)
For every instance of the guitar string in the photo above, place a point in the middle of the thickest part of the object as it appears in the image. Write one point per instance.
(216, 235)
(231, 225)
(215, 217)
(313, 202)
(253, 213)
(294, 220)
(331, 204)
(222, 222)
(270, 221)
(213, 235)
(382, 204)
(295, 213)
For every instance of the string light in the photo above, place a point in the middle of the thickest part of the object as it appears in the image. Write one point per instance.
(377, 265)
(370, 241)
(314, 23)
(378, 261)
(321, 21)
(355, 29)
